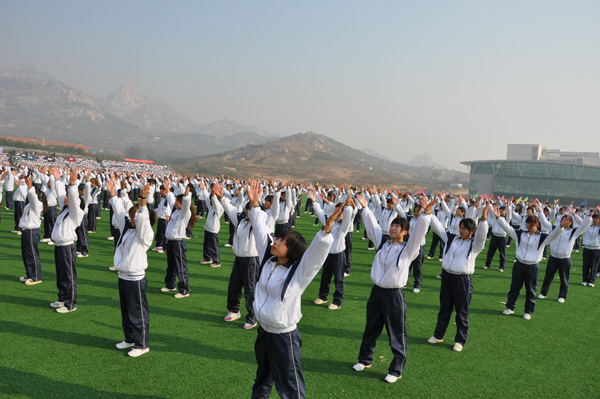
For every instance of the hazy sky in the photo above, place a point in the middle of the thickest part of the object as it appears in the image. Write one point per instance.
(456, 79)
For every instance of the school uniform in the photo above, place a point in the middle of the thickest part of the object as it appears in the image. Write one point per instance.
(436, 240)
(50, 213)
(591, 254)
(529, 252)
(9, 187)
(19, 203)
(336, 259)
(63, 236)
(277, 306)
(163, 212)
(176, 248)
(131, 261)
(93, 208)
(30, 236)
(211, 249)
(83, 242)
(458, 266)
(386, 305)
(245, 270)
(497, 239)
(560, 258)
(283, 217)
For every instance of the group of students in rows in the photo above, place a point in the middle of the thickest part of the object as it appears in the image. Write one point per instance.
(273, 265)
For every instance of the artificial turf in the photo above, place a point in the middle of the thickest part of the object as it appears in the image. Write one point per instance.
(195, 354)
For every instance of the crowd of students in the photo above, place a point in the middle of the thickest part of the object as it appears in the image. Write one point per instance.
(273, 265)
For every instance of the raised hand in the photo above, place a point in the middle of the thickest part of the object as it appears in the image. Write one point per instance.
(427, 207)
(331, 219)
(254, 193)
(362, 201)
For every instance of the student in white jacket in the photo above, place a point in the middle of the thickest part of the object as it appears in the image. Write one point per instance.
(286, 272)
(131, 262)
(458, 266)
(29, 224)
(389, 273)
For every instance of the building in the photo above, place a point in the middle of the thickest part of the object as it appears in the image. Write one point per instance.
(533, 171)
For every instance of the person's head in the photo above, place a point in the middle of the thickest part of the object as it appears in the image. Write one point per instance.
(562, 210)
(529, 210)
(502, 210)
(532, 223)
(596, 219)
(282, 197)
(331, 196)
(546, 211)
(417, 211)
(179, 201)
(466, 228)
(134, 209)
(389, 204)
(163, 190)
(519, 208)
(289, 245)
(399, 229)
(569, 219)
(81, 189)
(460, 211)
(269, 201)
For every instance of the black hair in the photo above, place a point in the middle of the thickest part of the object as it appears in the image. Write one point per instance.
(462, 208)
(468, 224)
(570, 219)
(404, 225)
(133, 210)
(193, 218)
(295, 243)
(533, 219)
(269, 198)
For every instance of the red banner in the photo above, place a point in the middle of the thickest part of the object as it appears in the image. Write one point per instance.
(138, 160)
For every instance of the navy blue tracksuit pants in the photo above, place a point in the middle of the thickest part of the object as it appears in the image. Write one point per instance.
(334, 265)
(386, 307)
(177, 266)
(497, 243)
(82, 236)
(66, 275)
(526, 275)
(134, 312)
(591, 257)
(18, 205)
(564, 270)
(417, 267)
(278, 359)
(244, 274)
(30, 239)
(455, 293)
(211, 247)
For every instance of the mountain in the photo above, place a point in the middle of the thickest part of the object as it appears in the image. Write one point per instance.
(424, 160)
(317, 158)
(376, 154)
(144, 112)
(37, 105)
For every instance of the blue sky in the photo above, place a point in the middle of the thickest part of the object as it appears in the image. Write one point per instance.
(456, 79)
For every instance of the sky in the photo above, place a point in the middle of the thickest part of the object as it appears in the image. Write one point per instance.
(458, 80)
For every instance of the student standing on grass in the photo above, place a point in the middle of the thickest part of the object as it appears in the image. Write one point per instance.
(131, 261)
(211, 251)
(336, 259)
(498, 238)
(530, 244)
(63, 236)
(591, 252)
(30, 223)
(560, 256)
(176, 249)
(50, 211)
(458, 266)
(165, 206)
(19, 202)
(286, 272)
(389, 273)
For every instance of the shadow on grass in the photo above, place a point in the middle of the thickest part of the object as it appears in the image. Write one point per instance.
(25, 301)
(30, 385)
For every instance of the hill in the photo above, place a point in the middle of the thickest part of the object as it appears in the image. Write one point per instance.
(317, 158)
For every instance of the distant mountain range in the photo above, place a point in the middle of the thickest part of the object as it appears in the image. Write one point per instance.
(36, 105)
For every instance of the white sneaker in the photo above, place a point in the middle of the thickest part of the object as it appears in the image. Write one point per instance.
(319, 301)
(50, 242)
(155, 249)
(215, 264)
(438, 276)
(584, 284)
(138, 352)
(32, 282)
(45, 240)
(416, 290)
(541, 296)
(64, 309)
(434, 340)
(161, 251)
(232, 316)
(179, 295)
(561, 300)
(507, 311)
(57, 304)
(82, 255)
(165, 289)
(125, 345)
(526, 316)
(110, 238)
(591, 285)
(112, 268)
(23, 279)
(390, 379)
(457, 347)
(360, 367)
(333, 306)
(248, 326)
(228, 245)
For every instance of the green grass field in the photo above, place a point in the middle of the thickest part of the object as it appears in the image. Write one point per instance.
(195, 354)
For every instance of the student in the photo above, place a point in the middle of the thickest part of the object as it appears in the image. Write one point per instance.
(498, 237)
(560, 256)
(458, 266)
(287, 269)
(165, 206)
(83, 242)
(285, 207)
(244, 272)
(211, 251)
(131, 261)
(530, 244)
(19, 202)
(591, 252)
(336, 259)
(29, 224)
(63, 237)
(182, 217)
(389, 273)
(50, 211)
(9, 187)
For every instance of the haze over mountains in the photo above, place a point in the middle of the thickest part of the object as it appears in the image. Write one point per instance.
(35, 104)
